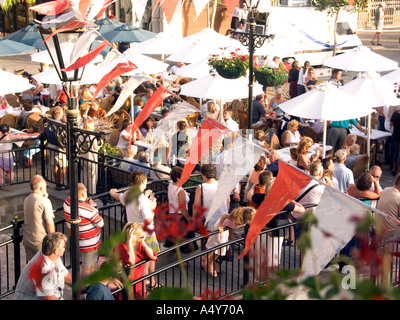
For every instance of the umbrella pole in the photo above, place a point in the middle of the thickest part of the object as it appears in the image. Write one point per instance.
(132, 114)
(324, 141)
(368, 140)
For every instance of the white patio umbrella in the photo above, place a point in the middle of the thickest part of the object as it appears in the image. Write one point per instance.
(214, 86)
(325, 102)
(195, 51)
(195, 70)
(162, 44)
(371, 91)
(11, 83)
(144, 63)
(212, 37)
(393, 76)
(361, 59)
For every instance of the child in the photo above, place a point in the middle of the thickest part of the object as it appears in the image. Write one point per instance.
(134, 250)
(34, 148)
(130, 154)
(236, 219)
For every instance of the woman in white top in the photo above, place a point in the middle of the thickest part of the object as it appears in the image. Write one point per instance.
(205, 193)
(125, 137)
(302, 75)
(6, 156)
(291, 136)
(178, 201)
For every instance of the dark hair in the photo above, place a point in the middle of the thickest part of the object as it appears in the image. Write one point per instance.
(164, 111)
(326, 162)
(144, 124)
(176, 172)
(260, 165)
(334, 71)
(28, 105)
(182, 125)
(4, 128)
(117, 89)
(264, 177)
(364, 182)
(209, 170)
(125, 124)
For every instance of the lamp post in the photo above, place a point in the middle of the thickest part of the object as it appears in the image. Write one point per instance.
(251, 40)
(60, 47)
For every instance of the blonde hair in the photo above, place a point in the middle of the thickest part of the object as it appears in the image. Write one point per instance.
(137, 231)
(292, 124)
(269, 185)
(304, 141)
(242, 215)
(89, 124)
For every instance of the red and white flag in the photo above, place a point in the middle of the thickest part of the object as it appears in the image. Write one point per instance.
(286, 187)
(208, 134)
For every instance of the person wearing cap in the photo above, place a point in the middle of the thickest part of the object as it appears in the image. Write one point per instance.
(157, 165)
(379, 20)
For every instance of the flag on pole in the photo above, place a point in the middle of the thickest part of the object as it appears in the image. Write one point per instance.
(286, 187)
(199, 6)
(129, 87)
(337, 215)
(51, 8)
(238, 162)
(155, 100)
(209, 133)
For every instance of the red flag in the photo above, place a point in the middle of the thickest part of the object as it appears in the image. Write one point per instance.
(76, 24)
(83, 5)
(155, 100)
(231, 5)
(169, 7)
(208, 134)
(119, 69)
(286, 187)
(105, 5)
(52, 7)
(84, 60)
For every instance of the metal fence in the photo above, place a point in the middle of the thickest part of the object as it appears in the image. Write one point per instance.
(366, 18)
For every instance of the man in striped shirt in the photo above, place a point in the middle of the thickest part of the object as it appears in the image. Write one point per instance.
(89, 229)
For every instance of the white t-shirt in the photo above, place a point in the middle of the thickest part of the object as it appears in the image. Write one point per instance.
(173, 199)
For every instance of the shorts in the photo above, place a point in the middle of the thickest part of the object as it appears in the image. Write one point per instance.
(153, 243)
(89, 258)
(7, 163)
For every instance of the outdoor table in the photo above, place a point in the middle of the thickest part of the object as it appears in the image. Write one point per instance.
(285, 152)
(375, 135)
(17, 111)
(273, 120)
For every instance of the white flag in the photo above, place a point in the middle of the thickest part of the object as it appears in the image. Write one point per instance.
(138, 7)
(337, 214)
(238, 162)
(199, 6)
(129, 87)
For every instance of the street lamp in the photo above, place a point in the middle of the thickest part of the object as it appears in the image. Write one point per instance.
(251, 40)
(60, 47)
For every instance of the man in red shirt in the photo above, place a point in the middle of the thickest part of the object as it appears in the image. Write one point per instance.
(89, 229)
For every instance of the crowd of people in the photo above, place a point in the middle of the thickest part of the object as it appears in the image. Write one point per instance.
(44, 247)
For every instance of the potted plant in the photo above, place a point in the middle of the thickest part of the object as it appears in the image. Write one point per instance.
(107, 149)
(271, 77)
(230, 66)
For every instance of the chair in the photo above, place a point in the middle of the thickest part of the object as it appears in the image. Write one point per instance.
(272, 139)
(193, 102)
(122, 114)
(105, 104)
(362, 142)
(242, 119)
(13, 100)
(192, 119)
(360, 166)
(32, 119)
(10, 119)
(309, 132)
(114, 138)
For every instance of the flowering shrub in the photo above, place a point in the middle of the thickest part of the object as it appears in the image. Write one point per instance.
(397, 89)
(232, 61)
(271, 77)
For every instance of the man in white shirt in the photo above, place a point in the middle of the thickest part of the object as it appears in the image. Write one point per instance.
(55, 91)
(229, 122)
(343, 174)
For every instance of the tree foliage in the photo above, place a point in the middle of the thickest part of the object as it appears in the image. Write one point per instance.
(8, 4)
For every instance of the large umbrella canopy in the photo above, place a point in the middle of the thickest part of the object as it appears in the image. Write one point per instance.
(28, 35)
(11, 83)
(107, 25)
(8, 47)
(162, 43)
(214, 86)
(371, 90)
(198, 50)
(146, 64)
(393, 76)
(195, 70)
(128, 33)
(361, 59)
(212, 37)
(325, 102)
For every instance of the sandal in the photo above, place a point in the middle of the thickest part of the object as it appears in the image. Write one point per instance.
(156, 285)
